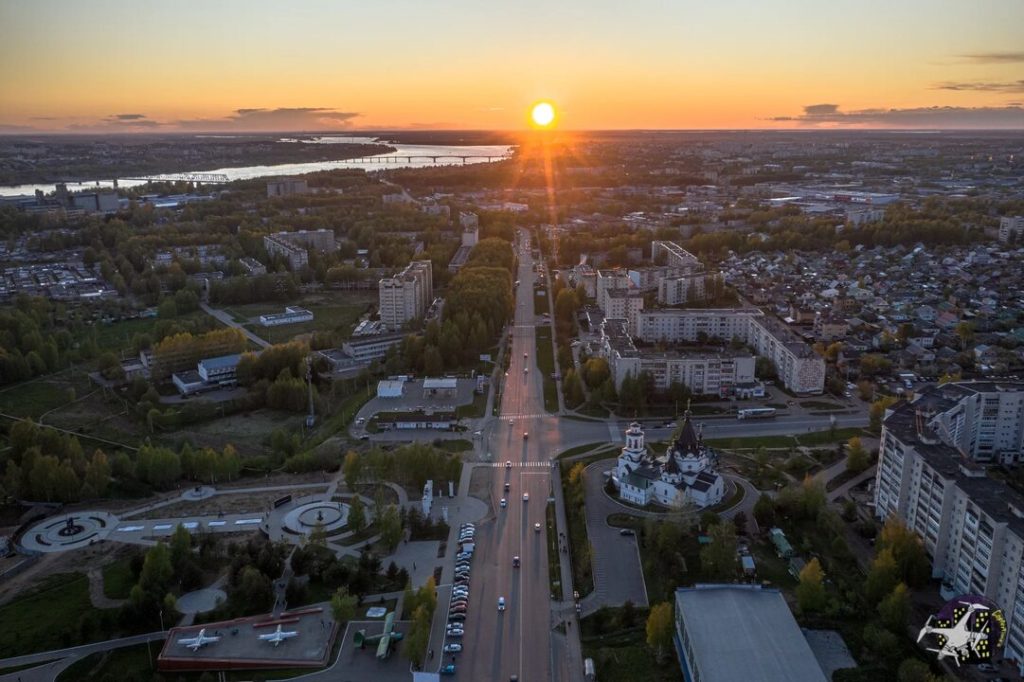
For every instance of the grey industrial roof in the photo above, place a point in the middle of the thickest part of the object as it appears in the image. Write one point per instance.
(745, 632)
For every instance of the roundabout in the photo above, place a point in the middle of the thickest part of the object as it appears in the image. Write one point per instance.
(74, 531)
(305, 517)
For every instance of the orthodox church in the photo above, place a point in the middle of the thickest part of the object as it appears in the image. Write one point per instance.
(684, 474)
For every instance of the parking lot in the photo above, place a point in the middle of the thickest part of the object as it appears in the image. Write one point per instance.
(414, 398)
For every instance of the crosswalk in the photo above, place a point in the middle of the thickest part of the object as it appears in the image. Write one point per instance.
(542, 465)
(506, 417)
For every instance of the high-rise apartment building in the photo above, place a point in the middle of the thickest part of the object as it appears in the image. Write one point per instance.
(930, 476)
(407, 295)
(1011, 227)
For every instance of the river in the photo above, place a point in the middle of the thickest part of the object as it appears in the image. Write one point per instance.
(380, 162)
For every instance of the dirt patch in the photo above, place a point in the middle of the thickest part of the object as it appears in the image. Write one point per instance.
(480, 483)
(229, 504)
(76, 561)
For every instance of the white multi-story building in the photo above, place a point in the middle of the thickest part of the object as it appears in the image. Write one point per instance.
(406, 296)
(291, 315)
(929, 476)
(676, 256)
(286, 186)
(704, 372)
(682, 289)
(609, 280)
(623, 304)
(800, 369)
(683, 475)
(1011, 226)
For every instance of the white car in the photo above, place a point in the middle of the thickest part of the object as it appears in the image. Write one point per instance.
(452, 648)
(526, 497)
(501, 603)
(536, 527)
(504, 503)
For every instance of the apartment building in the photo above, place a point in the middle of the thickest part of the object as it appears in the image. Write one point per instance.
(682, 289)
(406, 296)
(675, 256)
(609, 280)
(1011, 227)
(971, 525)
(705, 372)
(294, 246)
(799, 368)
(623, 304)
(285, 187)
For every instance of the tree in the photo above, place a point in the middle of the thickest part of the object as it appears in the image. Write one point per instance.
(157, 572)
(740, 521)
(965, 332)
(97, 474)
(913, 670)
(810, 593)
(907, 549)
(764, 511)
(390, 526)
(343, 605)
(356, 514)
(882, 577)
(419, 636)
(254, 590)
(877, 411)
(718, 559)
(352, 469)
(857, 457)
(660, 627)
(895, 609)
(181, 547)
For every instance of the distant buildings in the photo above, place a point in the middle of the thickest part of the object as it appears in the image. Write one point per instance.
(683, 475)
(726, 633)
(291, 315)
(209, 374)
(252, 266)
(293, 246)
(928, 476)
(1011, 228)
(286, 187)
(406, 296)
(470, 237)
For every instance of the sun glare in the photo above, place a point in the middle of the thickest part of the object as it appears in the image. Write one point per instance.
(542, 114)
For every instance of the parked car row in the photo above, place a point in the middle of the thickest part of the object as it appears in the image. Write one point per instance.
(458, 605)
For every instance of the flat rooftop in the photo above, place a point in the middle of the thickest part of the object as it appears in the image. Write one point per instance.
(745, 632)
(239, 646)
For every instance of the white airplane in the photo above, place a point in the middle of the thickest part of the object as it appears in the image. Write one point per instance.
(200, 640)
(278, 636)
(958, 640)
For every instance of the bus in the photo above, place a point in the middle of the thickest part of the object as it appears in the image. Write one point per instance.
(588, 670)
(756, 413)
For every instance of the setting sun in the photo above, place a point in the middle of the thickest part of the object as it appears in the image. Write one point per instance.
(542, 114)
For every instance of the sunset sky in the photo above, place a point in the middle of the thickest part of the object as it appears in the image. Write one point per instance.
(226, 65)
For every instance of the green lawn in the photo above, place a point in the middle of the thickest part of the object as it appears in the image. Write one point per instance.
(118, 579)
(578, 450)
(546, 365)
(329, 314)
(38, 396)
(475, 409)
(624, 654)
(540, 302)
(554, 556)
(47, 618)
(455, 446)
(815, 438)
(344, 414)
(118, 335)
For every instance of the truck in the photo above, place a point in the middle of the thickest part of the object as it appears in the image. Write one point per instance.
(756, 413)
(588, 670)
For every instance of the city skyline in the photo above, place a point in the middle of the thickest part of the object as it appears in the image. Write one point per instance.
(257, 67)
